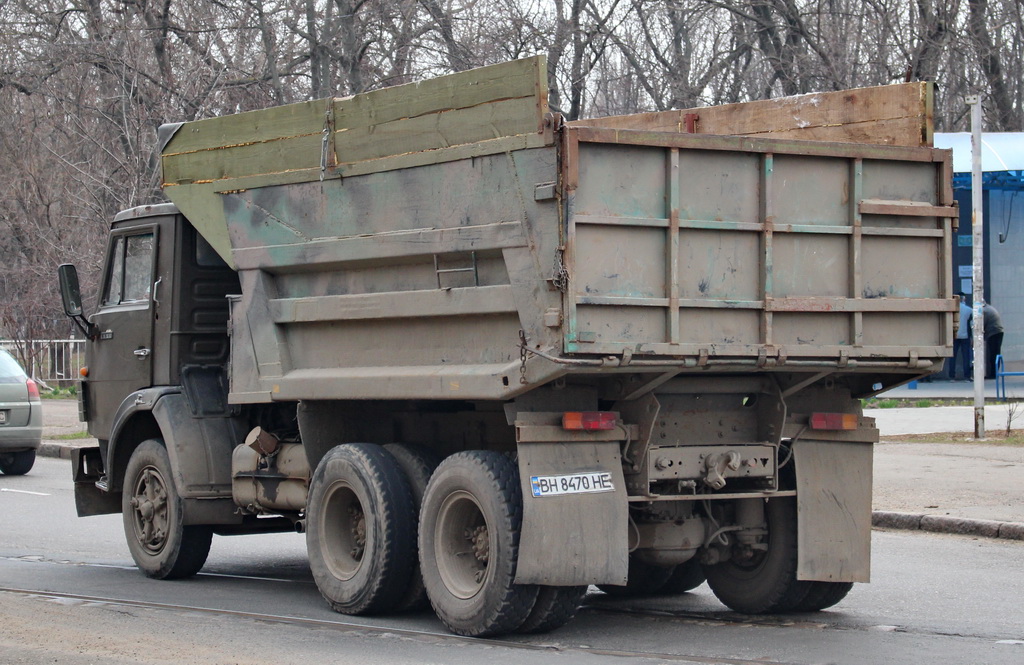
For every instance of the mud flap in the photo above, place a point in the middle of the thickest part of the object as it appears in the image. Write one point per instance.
(579, 536)
(833, 510)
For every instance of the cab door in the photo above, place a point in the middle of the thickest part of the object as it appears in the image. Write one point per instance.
(121, 355)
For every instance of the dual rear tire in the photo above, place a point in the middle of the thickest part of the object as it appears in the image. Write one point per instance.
(361, 530)
(469, 545)
(362, 539)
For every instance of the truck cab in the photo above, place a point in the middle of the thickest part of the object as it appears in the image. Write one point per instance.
(161, 318)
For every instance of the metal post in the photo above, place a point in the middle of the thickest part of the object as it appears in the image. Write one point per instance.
(978, 277)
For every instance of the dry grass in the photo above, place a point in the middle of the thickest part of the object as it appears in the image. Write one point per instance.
(994, 436)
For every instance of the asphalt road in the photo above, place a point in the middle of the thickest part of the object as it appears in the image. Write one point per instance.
(69, 594)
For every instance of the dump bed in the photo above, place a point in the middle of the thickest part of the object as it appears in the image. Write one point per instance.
(453, 240)
(730, 248)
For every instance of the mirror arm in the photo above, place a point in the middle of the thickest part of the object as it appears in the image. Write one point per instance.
(87, 327)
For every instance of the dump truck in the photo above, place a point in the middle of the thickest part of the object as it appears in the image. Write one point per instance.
(484, 358)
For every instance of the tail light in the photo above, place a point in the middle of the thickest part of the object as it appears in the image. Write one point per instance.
(589, 420)
(834, 421)
(33, 390)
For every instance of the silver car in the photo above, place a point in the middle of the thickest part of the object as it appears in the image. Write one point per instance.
(21, 418)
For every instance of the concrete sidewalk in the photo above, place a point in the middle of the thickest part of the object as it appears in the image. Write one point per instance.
(942, 389)
(974, 488)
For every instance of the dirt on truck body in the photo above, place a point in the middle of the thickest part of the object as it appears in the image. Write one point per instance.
(484, 358)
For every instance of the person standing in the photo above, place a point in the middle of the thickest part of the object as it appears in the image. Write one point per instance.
(962, 343)
(993, 338)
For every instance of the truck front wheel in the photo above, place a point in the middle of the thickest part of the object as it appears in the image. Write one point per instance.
(163, 548)
(360, 529)
(764, 581)
(469, 544)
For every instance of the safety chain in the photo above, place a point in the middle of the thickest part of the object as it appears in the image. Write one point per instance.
(523, 351)
(559, 274)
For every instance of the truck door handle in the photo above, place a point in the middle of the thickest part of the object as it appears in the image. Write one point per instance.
(141, 353)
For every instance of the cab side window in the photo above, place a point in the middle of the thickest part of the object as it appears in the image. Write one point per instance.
(131, 269)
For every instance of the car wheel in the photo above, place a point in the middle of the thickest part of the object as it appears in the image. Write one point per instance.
(17, 464)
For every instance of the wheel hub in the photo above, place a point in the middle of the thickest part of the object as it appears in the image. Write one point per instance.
(150, 505)
(462, 545)
(358, 521)
(479, 543)
(343, 523)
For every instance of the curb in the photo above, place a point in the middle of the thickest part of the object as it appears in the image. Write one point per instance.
(943, 524)
(58, 450)
(880, 519)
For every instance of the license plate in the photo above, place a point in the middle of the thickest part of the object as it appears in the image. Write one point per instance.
(573, 483)
(3, 417)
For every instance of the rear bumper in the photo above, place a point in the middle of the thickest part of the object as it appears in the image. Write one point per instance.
(29, 437)
(23, 439)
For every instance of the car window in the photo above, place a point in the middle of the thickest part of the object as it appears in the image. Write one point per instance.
(10, 370)
(131, 269)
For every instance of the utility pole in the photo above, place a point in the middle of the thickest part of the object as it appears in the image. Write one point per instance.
(977, 276)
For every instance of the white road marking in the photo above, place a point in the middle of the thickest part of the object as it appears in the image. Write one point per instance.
(23, 492)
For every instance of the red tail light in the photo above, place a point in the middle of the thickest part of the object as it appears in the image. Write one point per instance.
(834, 421)
(589, 420)
(33, 390)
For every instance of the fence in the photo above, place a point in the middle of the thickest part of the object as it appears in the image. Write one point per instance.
(54, 362)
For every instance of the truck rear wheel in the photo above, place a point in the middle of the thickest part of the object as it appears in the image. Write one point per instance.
(17, 464)
(555, 607)
(823, 595)
(360, 529)
(418, 464)
(152, 511)
(687, 576)
(765, 582)
(469, 544)
(642, 579)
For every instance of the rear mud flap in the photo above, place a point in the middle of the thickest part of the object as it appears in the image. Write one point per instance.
(833, 510)
(573, 532)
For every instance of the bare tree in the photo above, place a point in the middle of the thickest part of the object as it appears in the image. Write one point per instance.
(84, 84)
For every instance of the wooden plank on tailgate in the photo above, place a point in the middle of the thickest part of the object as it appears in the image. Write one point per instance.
(899, 114)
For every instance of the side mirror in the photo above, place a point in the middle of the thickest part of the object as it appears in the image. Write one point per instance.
(70, 292)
